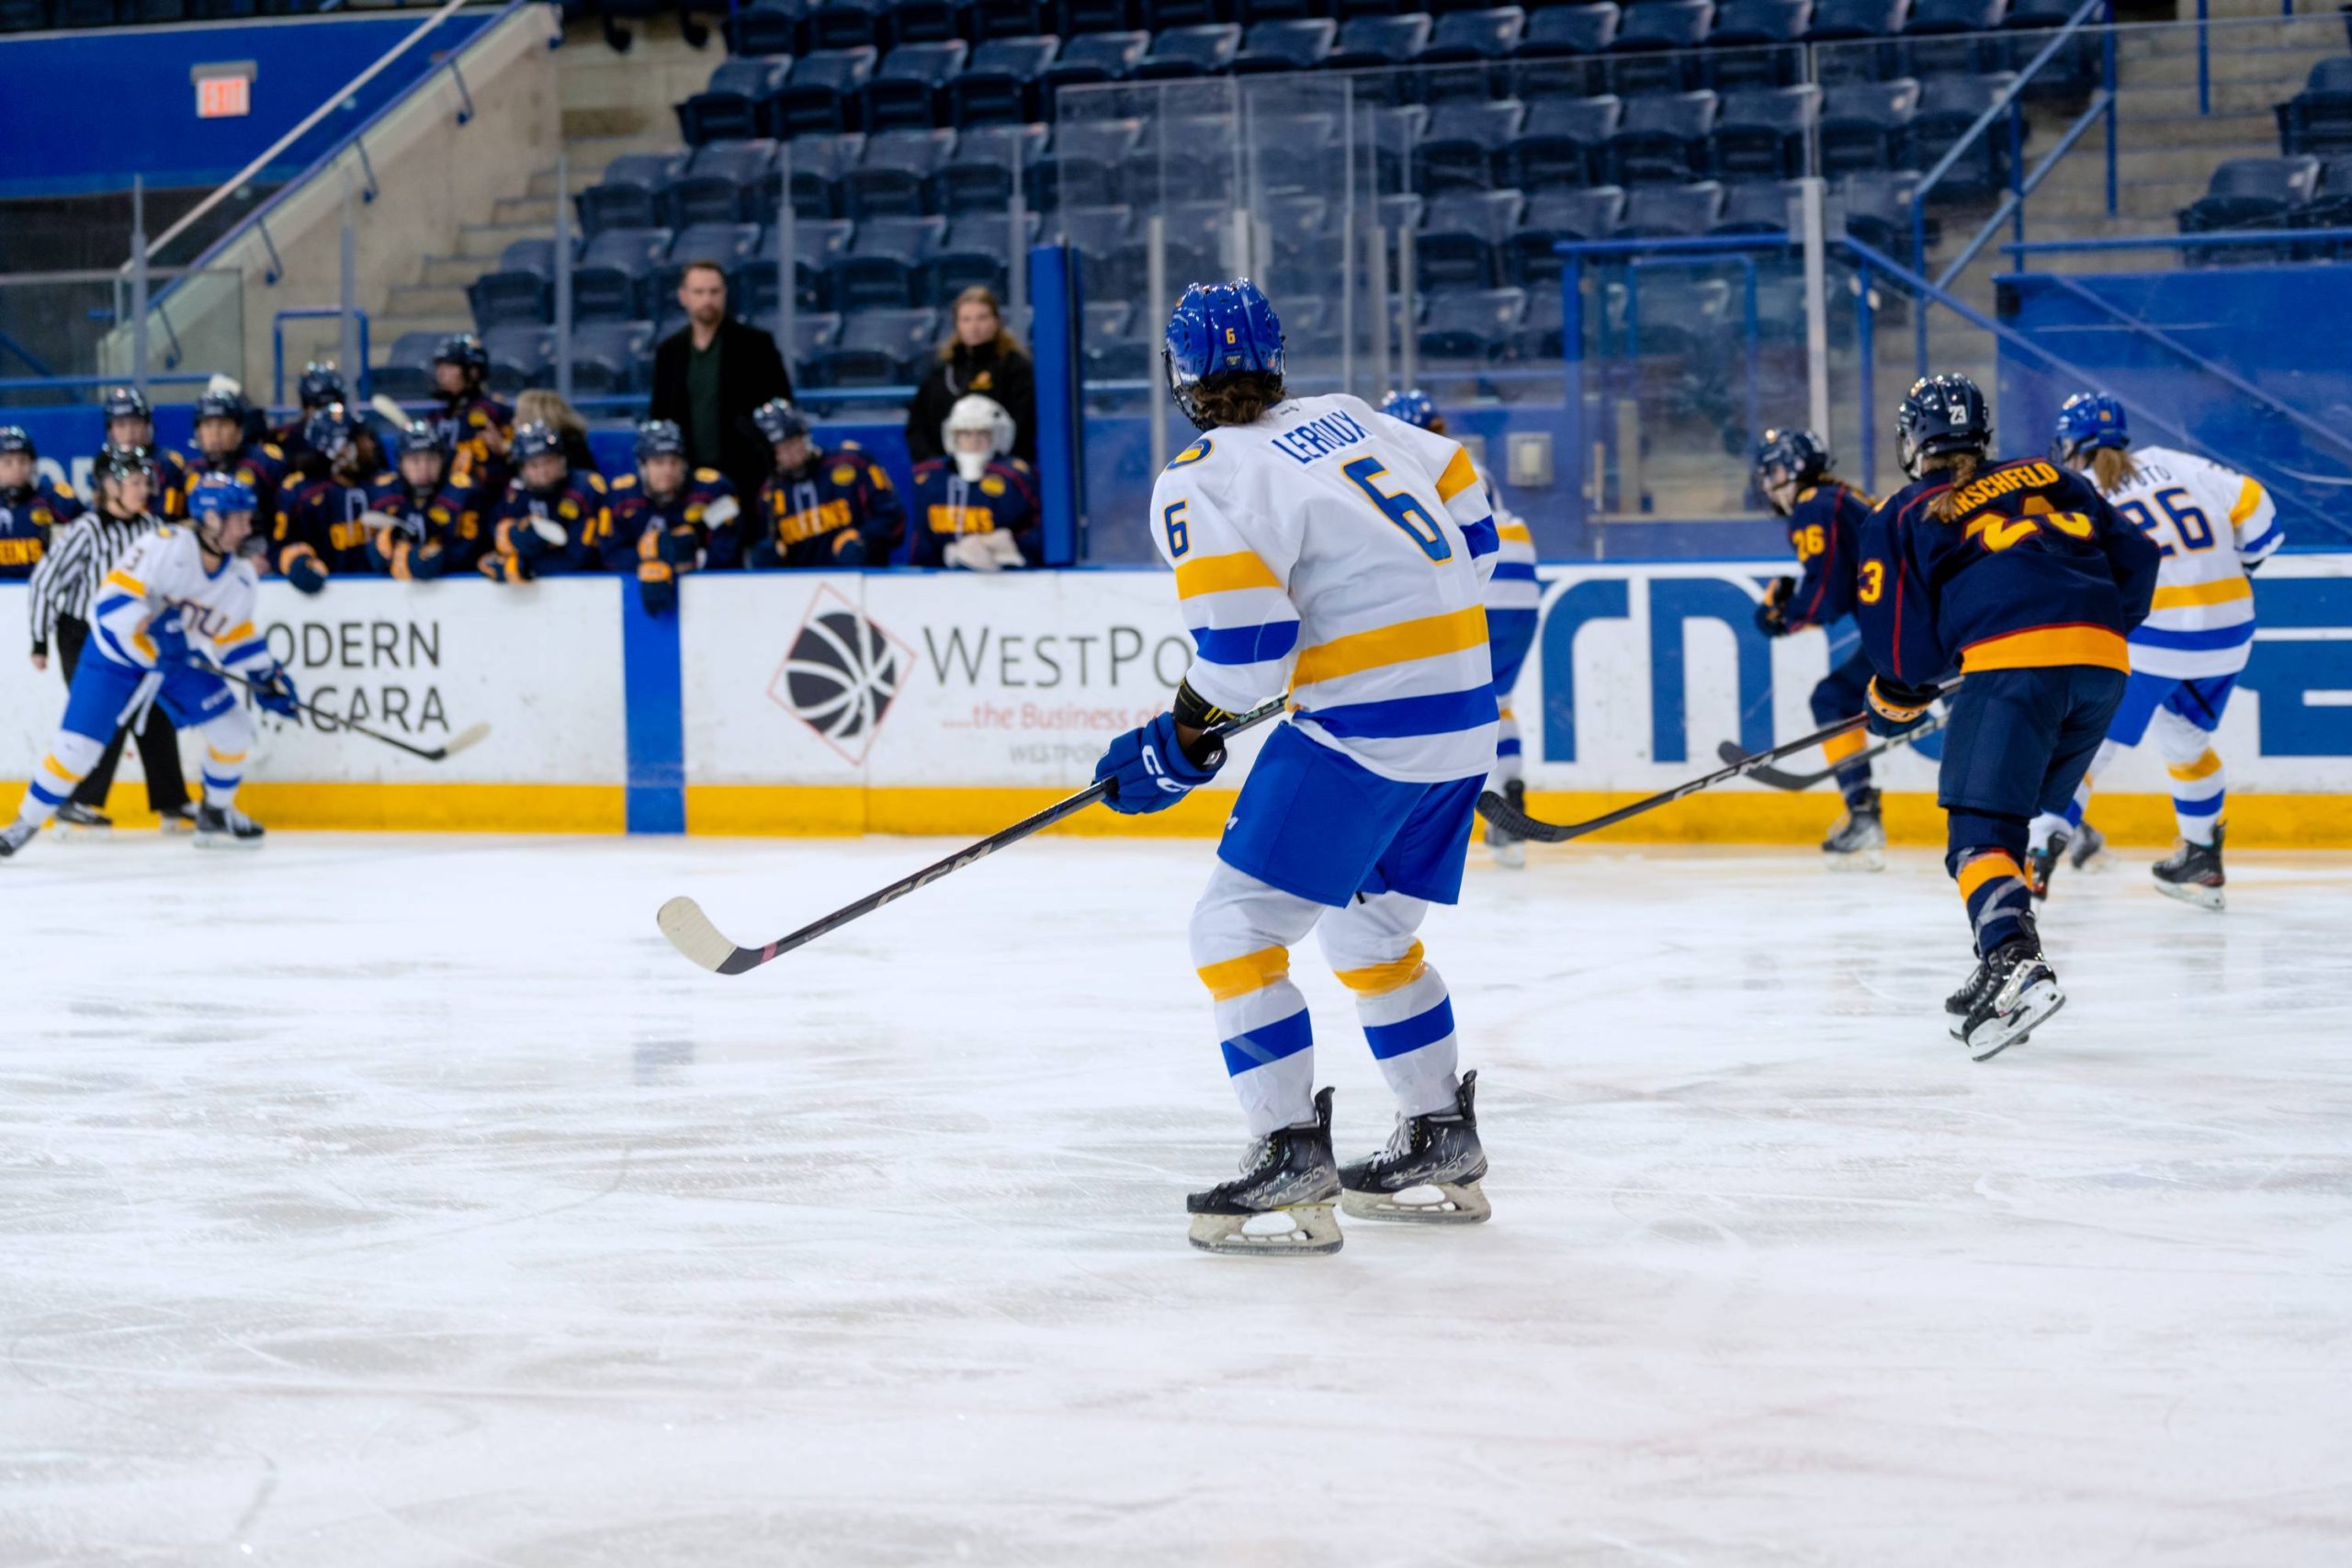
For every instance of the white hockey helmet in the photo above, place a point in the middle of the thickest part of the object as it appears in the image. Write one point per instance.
(972, 414)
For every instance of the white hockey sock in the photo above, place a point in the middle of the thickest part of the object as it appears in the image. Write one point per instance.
(1510, 761)
(70, 759)
(2200, 789)
(226, 741)
(1242, 929)
(2045, 826)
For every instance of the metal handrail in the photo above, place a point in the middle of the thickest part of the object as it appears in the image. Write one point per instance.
(1999, 105)
(2212, 237)
(2013, 201)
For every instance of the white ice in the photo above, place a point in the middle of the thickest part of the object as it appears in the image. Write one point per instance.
(407, 1201)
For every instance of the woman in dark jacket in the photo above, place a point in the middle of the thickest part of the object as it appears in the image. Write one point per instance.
(979, 355)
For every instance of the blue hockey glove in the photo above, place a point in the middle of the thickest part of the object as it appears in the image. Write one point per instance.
(275, 694)
(1896, 709)
(170, 639)
(1151, 771)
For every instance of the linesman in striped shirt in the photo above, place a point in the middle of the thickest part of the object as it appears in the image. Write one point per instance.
(62, 587)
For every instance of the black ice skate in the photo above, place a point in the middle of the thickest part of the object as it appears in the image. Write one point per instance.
(178, 819)
(2089, 852)
(226, 827)
(1429, 1171)
(1859, 841)
(1281, 1203)
(2041, 862)
(1510, 849)
(2018, 991)
(15, 837)
(75, 821)
(2192, 872)
(1961, 1003)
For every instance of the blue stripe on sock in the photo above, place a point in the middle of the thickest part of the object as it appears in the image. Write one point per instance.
(1270, 1042)
(1422, 1028)
(46, 795)
(2198, 808)
(212, 783)
(1507, 748)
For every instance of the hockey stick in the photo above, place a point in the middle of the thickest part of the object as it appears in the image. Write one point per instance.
(1730, 752)
(1496, 809)
(692, 933)
(392, 413)
(469, 737)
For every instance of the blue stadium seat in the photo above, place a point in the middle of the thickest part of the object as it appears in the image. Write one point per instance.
(520, 357)
(1762, 133)
(909, 91)
(2330, 206)
(1206, 50)
(1471, 38)
(1000, 84)
(2319, 118)
(1757, 207)
(1090, 57)
(1160, 16)
(1249, 12)
(1464, 143)
(405, 373)
(2072, 73)
(1947, 38)
(1559, 55)
(1473, 328)
(737, 104)
(727, 182)
(1117, 342)
(816, 246)
(1878, 205)
(629, 194)
(766, 27)
(1306, 244)
(988, 20)
(978, 249)
(1865, 125)
(2250, 193)
(814, 332)
(1755, 44)
(521, 289)
(925, 21)
(1853, 38)
(1193, 241)
(990, 160)
(1654, 212)
(1655, 45)
(731, 245)
(878, 348)
(823, 92)
(1169, 152)
(899, 173)
(613, 279)
(1462, 236)
(609, 358)
(820, 169)
(1663, 140)
(885, 263)
(1295, 45)
(1563, 142)
(1540, 335)
(1368, 43)
(848, 24)
(1551, 216)
(1072, 18)
(1098, 233)
(1396, 133)
(1083, 168)
(1948, 107)
(1312, 158)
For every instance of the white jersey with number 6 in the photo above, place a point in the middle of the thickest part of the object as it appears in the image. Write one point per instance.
(2208, 522)
(1345, 554)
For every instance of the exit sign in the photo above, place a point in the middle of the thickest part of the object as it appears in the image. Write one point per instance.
(224, 91)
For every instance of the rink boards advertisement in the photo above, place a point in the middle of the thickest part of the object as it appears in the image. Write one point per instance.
(952, 703)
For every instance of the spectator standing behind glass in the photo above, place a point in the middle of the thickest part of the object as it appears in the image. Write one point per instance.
(980, 355)
(821, 508)
(712, 375)
(976, 507)
(541, 406)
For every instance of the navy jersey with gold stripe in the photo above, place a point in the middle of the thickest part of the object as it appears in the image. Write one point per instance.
(1826, 531)
(694, 541)
(433, 533)
(839, 511)
(2034, 570)
(260, 466)
(327, 518)
(27, 516)
(578, 507)
(1002, 500)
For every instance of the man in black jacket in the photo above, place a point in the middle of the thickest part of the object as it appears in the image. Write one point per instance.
(711, 374)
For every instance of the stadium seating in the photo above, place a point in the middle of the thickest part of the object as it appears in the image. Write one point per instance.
(1866, 125)
(1298, 44)
(2250, 193)
(1463, 237)
(1652, 50)
(737, 104)
(1757, 207)
(1090, 57)
(407, 370)
(821, 167)
(519, 356)
(1857, 39)
(990, 163)
(1564, 141)
(522, 289)
(613, 279)
(1473, 327)
(909, 91)
(1662, 138)
(1951, 38)
(977, 249)
(817, 245)
(1755, 44)
(1368, 43)
(731, 245)
(1552, 216)
(1949, 107)
(822, 91)
(1762, 132)
(899, 176)
(2319, 118)
(1190, 52)
(1674, 212)
(886, 262)
(609, 358)
(1087, 156)
(628, 197)
(1000, 86)
(876, 348)
(1465, 142)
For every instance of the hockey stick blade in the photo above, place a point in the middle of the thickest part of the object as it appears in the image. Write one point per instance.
(690, 933)
(466, 739)
(397, 416)
(1731, 751)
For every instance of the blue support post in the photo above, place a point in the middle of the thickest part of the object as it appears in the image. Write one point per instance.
(1053, 300)
(1572, 352)
(2107, 67)
(1866, 340)
(2204, 61)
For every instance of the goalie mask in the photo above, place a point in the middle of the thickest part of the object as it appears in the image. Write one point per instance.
(976, 432)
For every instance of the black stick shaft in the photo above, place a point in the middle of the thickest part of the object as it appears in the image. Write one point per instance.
(329, 720)
(1779, 780)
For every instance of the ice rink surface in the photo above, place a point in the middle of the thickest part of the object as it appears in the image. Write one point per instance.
(407, 1201)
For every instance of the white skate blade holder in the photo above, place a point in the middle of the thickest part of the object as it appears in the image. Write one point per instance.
(1512, 856)
(1849, 862)
(2195, 892)
(1430, 1203)
(2033, 1007)
(228, 841)
(1302, 1230)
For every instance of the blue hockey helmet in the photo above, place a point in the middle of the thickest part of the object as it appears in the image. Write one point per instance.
(660, 438)
(14, 438)
(422, 436)
(779, 421)
(320, 384)
(125, 402)
(1412, 406)
(463, 349)
(216, 495)
(536, 439)
(1217, 330)
(1799, 454)
(2089, 422)
(331, 431)
(1940, 414)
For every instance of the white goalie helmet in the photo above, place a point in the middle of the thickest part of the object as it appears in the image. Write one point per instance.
(976, 416)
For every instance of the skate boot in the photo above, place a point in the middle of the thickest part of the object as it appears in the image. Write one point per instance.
(15, 837)
(75, 821)
(2192, 872)
(178, 819)
(1859, 841)
(2089, 852)
(2019, 991)
(1510, 849)
(1429, 1171)
(1961, 1003)
(220, 827)
(2041, 862)
(1281, 1203)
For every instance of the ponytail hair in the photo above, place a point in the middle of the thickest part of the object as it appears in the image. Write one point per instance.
(2112, 468)
(1961, 467)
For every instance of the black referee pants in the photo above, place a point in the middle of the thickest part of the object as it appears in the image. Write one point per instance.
(159, 746)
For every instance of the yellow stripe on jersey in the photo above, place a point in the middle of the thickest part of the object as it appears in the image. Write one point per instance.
(1514, 532)
(2226, 592)
(1985, 869)
(127, 582)
(1223, 574)
(1251, 972)
(241, 632)
(1407, 640)
(2249, 497)
(1379, 979)
(1458, 477)
(2205, 767)
(2040, 648)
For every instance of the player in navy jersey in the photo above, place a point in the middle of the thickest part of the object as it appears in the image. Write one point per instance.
(222, 448)
(821, 508)
(552, 522)
(2023, 577)
(669, 517)
(131, 422)
(976, 507)
(30, 506)
(323, 527)
(478, 427)
(422, 525)
(1824, 517)
(321, 387)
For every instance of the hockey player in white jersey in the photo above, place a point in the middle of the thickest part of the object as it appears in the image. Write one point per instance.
(1513, 598)
(1323, 547)
(2213, 525)
(175, 592)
